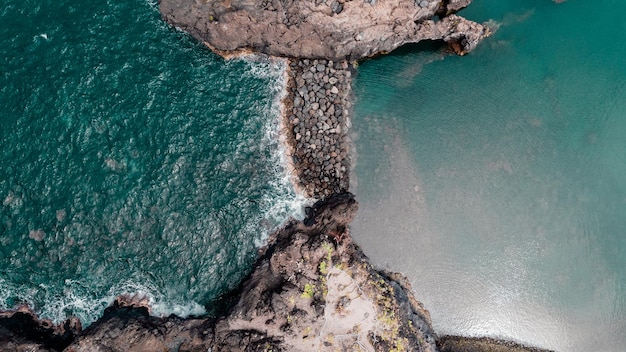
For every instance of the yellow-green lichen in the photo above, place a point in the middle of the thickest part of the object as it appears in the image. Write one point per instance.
(323, 267)
(308, 291)
(329, 250)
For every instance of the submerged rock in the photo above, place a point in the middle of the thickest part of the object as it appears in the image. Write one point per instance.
(481, 344)
(327, 29)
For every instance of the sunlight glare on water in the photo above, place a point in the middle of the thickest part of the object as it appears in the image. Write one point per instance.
(495, 181)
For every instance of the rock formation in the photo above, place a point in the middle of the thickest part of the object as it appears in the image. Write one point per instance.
(21, 330)
(312, 289)
(323, 29)
(481, 344)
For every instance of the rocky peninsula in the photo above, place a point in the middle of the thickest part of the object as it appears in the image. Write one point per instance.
(312, 288)
(323, 29)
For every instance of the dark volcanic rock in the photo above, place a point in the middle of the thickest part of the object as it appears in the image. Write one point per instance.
(328, 29)
(21, 330)
(481, 344)
(126, 326)
(332, 215)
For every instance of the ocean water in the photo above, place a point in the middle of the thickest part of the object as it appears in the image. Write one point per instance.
(132, 160)
(497, 181)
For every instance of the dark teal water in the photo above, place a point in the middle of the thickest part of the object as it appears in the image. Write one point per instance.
(497, 181)
(132, 160)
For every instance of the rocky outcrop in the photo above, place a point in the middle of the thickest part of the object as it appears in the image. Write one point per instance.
(21, 330)
(481, 344)
(452, 6)
(312, 289)
(322, 29)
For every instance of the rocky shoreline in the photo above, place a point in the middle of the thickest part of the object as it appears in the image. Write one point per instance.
(312, 288)
(334, 30)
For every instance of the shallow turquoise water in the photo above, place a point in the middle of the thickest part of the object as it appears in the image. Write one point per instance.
(132, 160)
(497, 181)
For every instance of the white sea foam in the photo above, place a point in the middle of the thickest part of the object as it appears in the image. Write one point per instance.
(39, 38)
(160, 305)
(87, 302)
(7, 291)
(288, 201)
(77, 300)
(183, 310)
(72, 301)
(154, 4)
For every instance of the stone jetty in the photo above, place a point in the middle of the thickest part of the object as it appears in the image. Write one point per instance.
(320, 38)
(317, 106)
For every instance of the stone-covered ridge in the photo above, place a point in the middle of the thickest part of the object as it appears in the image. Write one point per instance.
(323, 29)
(317, 106)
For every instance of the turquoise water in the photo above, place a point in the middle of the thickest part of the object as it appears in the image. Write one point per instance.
(497, 181)
(132, 160)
